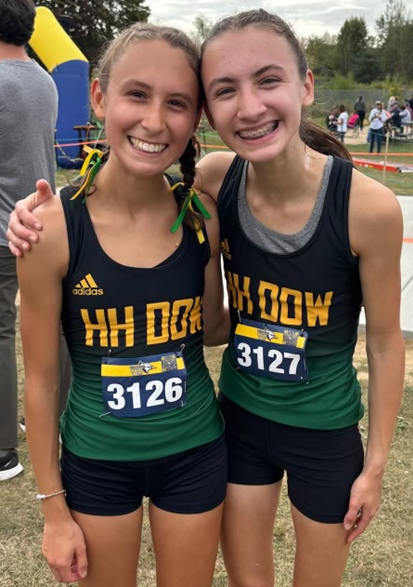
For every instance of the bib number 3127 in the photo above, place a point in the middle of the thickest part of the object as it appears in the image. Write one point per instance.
(271, 351)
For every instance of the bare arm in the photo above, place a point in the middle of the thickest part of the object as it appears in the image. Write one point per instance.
(376, 233)
(215, 315)
(211, 171)
(40, 276)
(24, 225)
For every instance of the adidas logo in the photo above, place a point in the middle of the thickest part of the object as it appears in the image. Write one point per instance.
(225, 249)
(87, 287)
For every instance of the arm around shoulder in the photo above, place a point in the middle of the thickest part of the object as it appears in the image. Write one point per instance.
(211, 171)
(215, 314)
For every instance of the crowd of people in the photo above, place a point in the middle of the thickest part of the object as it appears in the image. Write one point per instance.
(130, 259)
(397, 118)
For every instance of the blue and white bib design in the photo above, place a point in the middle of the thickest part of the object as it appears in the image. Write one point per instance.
(271, 351)
(146, 385)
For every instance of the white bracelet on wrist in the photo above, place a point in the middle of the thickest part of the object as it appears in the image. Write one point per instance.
(42, 496)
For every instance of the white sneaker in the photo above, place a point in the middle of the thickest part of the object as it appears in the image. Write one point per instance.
(9, 464)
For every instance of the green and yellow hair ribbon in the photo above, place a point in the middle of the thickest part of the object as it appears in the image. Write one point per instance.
(190, 199)
(89, 169)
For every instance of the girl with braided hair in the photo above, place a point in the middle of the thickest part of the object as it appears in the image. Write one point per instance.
(142, 417)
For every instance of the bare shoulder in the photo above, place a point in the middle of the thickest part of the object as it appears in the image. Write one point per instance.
(374, 215)
(211, 171)
(52, 217)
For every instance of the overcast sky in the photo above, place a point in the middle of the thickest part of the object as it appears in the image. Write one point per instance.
(309, 17)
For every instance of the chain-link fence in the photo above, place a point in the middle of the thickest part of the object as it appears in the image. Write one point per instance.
(326, 99)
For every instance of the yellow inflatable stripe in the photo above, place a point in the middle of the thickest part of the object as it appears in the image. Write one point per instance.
(126, 371)
(50, 41)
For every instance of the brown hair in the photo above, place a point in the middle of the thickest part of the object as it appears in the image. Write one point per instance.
(313, 135)
(115, 50)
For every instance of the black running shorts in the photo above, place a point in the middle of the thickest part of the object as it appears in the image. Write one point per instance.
(321, 465)
(191, 482)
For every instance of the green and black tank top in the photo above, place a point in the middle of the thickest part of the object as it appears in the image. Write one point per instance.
(111, 310)
(314, 291)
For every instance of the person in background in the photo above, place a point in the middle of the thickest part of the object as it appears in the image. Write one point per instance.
(377, 119)
(405, 115)
(391, 102)
(342, 123)
(331, 120)
(354, 120)
(360, 108)
(28, 112)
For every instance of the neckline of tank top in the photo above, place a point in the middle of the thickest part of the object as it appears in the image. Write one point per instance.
(252, 226)
(170, 260)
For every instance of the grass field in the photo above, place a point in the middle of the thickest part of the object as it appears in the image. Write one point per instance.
(382, 557)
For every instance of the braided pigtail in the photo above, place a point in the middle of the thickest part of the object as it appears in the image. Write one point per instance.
(187, 161)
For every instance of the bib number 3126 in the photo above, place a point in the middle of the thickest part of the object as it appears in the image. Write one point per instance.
(271, 351)
(137, 387)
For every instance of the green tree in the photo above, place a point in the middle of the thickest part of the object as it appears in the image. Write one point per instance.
(322, 55)
(367, 67)
(395, 37)
(352, 39)
(395, 17)
(202, 26)
(92, 24)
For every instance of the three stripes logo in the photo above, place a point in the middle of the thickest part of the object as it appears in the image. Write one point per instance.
(225, 249)
(87, 287)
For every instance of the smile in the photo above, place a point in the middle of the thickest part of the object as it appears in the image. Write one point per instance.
(258, 133)
(147, 147)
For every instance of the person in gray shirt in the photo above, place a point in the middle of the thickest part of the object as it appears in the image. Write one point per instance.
(360, 108)
(28, 112)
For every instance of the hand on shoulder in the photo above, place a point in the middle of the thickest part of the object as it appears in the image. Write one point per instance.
(52, 250)
(23, 224)
(51, 215)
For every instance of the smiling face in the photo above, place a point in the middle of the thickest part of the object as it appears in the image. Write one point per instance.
(150, 106)
(254, 91)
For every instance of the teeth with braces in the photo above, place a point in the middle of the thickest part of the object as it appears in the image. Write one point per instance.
(147, 147)
(269, 128)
